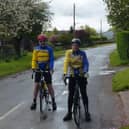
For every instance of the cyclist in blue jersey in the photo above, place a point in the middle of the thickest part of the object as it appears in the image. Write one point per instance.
(76, 59)
(43, 58)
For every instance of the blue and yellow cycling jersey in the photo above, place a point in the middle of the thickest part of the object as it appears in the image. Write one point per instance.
(43, 58)
(76, 60)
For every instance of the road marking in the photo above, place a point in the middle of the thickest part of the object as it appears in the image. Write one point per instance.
(11, 111)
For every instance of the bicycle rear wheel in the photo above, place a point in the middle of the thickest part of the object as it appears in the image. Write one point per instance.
(77, 111)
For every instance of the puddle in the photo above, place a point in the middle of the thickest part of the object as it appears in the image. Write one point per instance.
(61, 109)
(107, 72)
(104, 67)
(65, 92)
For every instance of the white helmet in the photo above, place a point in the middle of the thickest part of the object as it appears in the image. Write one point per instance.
(77, 41)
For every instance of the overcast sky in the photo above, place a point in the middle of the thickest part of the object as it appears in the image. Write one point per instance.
(88, 12)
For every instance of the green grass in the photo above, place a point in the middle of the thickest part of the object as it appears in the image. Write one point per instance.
(14, 66)
(120, 81)
(59, 53)
(127, 127)
(115, 59)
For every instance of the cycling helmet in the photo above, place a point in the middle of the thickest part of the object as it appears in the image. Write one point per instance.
(77, 41)
(41, 37)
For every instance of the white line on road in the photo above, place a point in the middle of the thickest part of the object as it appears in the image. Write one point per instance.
(11, 111)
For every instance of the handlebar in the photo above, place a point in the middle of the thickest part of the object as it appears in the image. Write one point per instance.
(38, 71)
(75, 75)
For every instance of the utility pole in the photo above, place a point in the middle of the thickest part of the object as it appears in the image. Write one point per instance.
(74, 21)
(101, 28)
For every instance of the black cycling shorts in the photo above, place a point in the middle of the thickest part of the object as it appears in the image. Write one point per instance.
(47, 77)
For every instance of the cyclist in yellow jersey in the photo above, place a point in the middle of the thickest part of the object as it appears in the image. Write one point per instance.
(43, 59)
(76, 59)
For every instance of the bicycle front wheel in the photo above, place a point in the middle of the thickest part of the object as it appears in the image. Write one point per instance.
(41, 99)
(77, 112)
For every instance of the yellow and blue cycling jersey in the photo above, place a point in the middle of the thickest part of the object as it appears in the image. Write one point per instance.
(76, 60)
(43, 58)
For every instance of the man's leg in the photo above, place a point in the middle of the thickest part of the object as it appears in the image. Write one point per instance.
(35, 92)
(71, 89)
(51, 91)
(48, 79)
(83, 83)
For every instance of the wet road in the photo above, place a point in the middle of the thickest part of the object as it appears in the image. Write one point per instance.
(105, 106)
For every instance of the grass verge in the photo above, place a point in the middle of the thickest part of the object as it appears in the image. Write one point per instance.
(115, 59)
(14, 66)
(120, 81)
(59, 53)
(24, 63)
(127, 127)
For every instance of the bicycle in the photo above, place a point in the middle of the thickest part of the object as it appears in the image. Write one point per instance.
(76, 100)
(43, 94)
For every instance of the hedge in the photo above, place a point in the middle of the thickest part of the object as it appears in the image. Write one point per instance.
(122, 39)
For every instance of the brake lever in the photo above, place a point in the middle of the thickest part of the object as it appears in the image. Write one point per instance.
(65, 80)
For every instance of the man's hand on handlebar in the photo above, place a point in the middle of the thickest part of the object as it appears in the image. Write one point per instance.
(86, 74)
(65, 78)
(51, 71)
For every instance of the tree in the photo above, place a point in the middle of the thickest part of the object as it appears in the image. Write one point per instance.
(71, 30)
(89, 29)
(118, 13)
(54, 39)
(20, 16)
(83, 36)
(65, 39)
(55, 31)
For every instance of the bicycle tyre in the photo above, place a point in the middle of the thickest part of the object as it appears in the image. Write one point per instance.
(41, 99)
(76, 110)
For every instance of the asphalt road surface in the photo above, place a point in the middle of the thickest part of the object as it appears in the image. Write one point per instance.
(105, 106)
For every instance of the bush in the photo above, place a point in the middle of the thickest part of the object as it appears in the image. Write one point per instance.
(65, 39)
(95, 38)
(6, 52)
(98, 38)
(122, 39)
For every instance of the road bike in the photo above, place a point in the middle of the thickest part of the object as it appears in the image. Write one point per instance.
(43, 95)
(76, 100)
